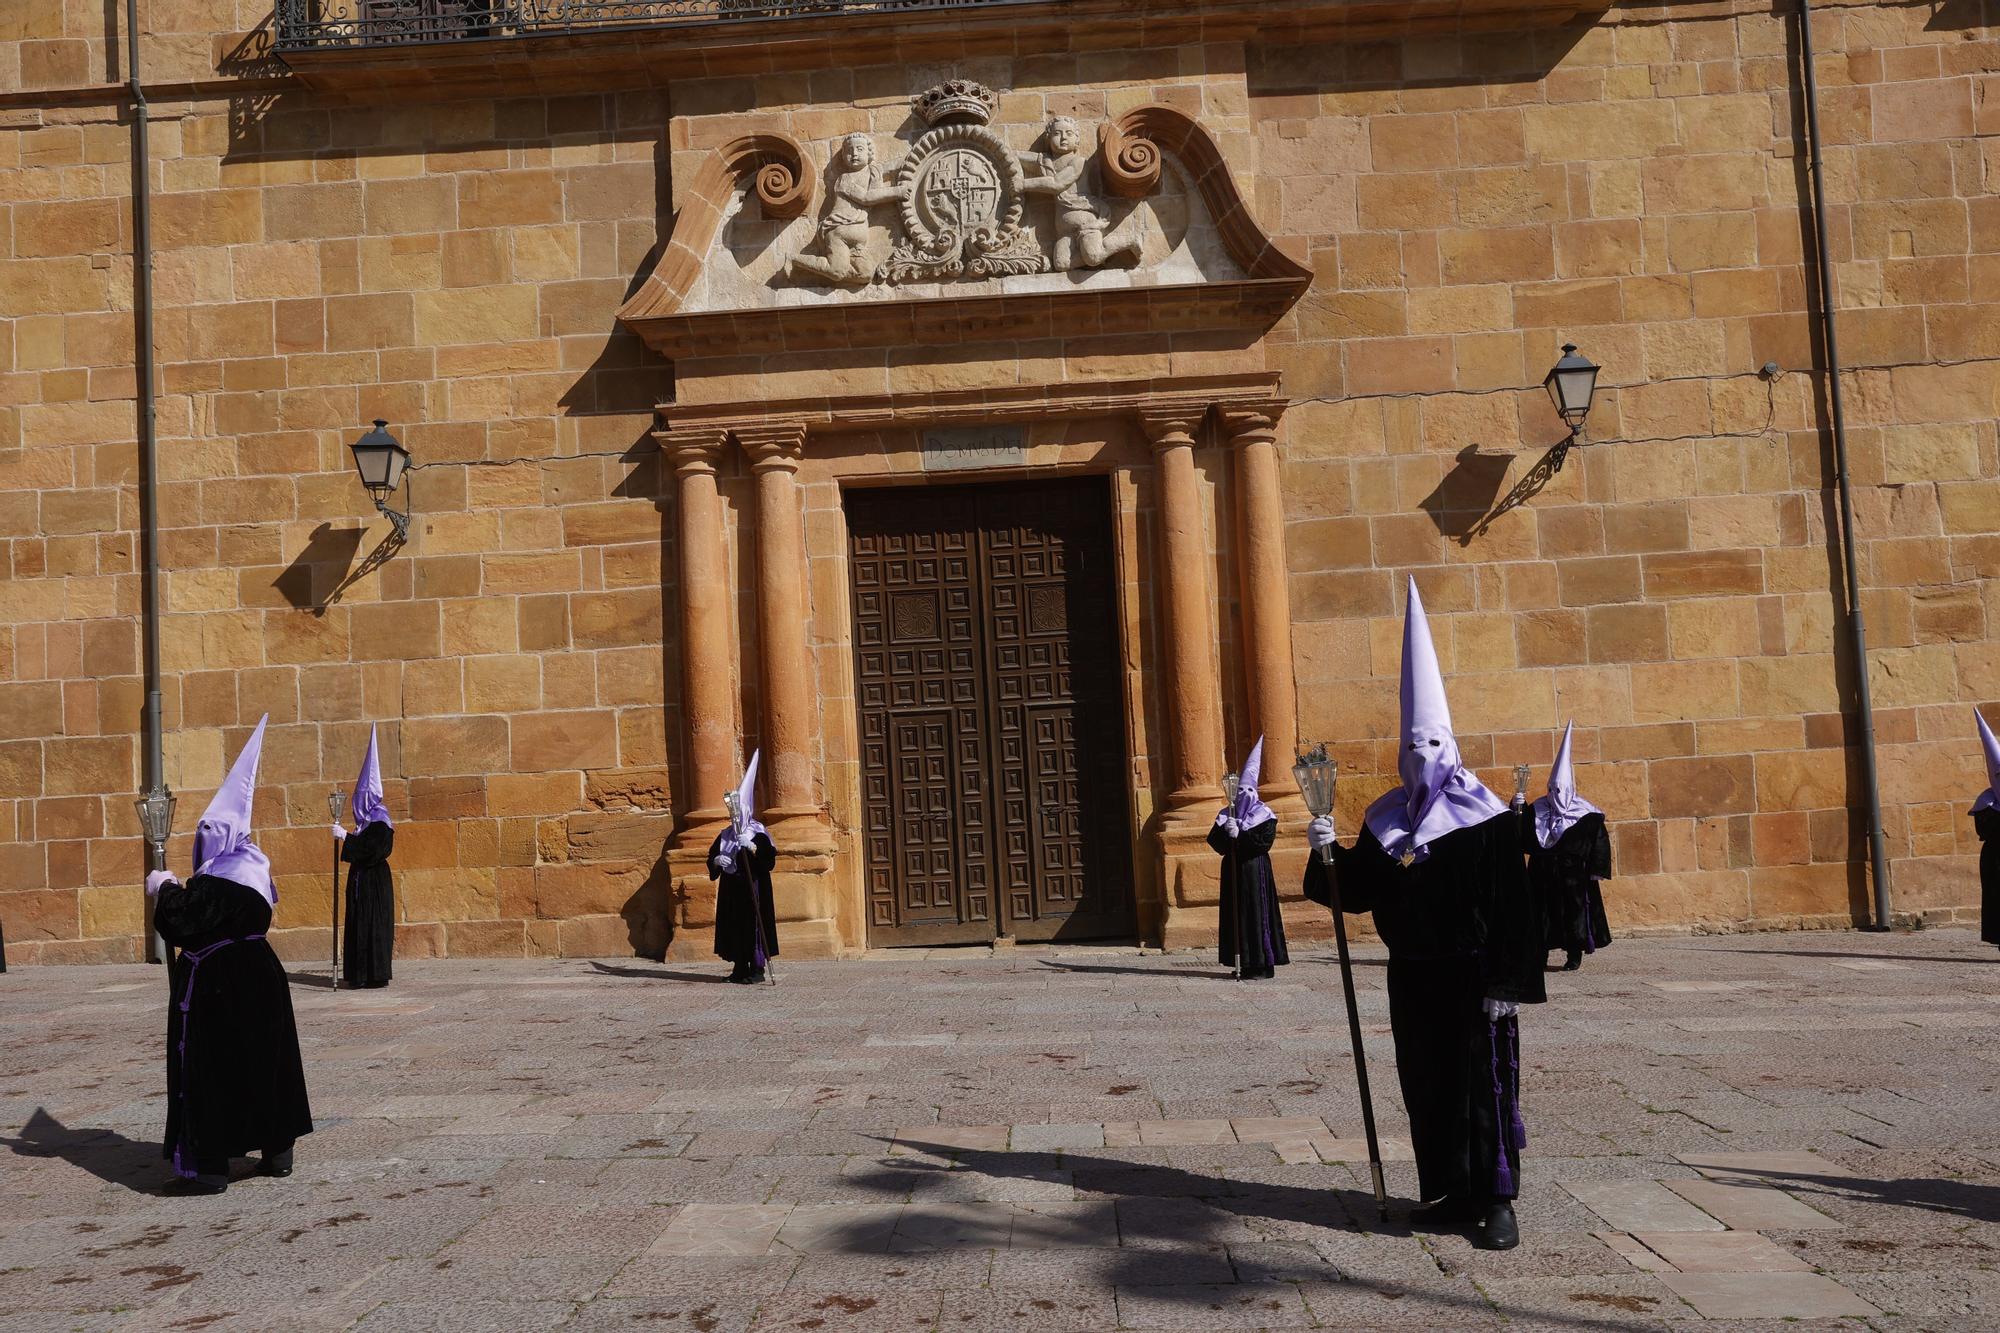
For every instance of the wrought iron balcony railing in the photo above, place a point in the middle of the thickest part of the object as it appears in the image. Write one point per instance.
(319, 25)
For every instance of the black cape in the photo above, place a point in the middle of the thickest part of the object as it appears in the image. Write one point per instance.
(739, 937)
(1461, 928)
(1250, 896)
(368, 937)
(1987, 823)
(1564, 879)
(235, 1081)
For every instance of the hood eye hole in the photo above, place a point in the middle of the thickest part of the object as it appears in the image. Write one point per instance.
(1436, 744)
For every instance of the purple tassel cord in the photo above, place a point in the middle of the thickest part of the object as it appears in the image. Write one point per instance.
(1510, 1130)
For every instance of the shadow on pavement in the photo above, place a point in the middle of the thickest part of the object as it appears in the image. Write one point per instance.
(1960, 1198)
(104, 1153)
(310, 979)
(655, 973)
(1163, 1212)
(1165, 973)
(1873, 957)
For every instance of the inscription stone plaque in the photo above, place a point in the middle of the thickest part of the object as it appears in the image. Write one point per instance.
(959, 448)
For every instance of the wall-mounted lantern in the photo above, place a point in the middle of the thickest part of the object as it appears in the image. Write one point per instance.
(381, 461)
(1571, 383)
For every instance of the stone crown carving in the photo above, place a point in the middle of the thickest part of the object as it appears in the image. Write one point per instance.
(955, 101)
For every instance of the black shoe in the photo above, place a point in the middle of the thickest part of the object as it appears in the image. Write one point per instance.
(1573, 961)
(190, 1185)
(745, 977)
(278, 1164)
(1500, 1231)
(1449, 1211)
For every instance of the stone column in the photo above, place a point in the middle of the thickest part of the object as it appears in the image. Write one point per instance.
(775, 450)
(706, 672)
(1194, 696)
(1267, 617)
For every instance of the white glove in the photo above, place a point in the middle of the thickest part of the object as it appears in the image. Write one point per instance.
(1501, 1008)
(1319, 833)
(723, 863)
(157, 880)
(1225, 820)
(339, 833)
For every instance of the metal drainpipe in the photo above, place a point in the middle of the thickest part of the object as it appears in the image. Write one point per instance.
(1830, 321)
(149, 519)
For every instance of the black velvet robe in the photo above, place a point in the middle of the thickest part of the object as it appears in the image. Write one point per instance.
(1987, 823)
(1461, 927)
(1564, 879)
(368, 936)
(1250, 897)
(738, 936)
(235, 1081)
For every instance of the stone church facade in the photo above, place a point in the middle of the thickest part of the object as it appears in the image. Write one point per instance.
(1001, 414)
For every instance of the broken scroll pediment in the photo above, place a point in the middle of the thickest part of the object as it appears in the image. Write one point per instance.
(1146, 206)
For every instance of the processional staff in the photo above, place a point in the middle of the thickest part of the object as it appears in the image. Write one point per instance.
(1316, 775)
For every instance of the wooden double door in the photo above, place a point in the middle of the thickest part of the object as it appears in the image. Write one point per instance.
(992, 727)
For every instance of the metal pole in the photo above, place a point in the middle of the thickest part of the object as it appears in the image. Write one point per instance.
(149, 519)
(333, 804)
(1354, 1038)
(1857, 629)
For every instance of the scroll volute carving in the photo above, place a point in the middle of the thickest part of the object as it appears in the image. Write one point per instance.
(1131, 163)
(782, 178)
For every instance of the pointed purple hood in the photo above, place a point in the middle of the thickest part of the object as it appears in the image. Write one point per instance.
(1990, 798)
(743, 827)
(1249, 811)
(1562, 807)
(222, 845)
(1439, 794)
(367, 803)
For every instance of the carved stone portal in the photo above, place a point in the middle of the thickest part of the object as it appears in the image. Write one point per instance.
(960, 194)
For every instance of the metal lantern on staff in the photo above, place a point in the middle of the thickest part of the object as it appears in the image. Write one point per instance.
(1317, 776)
(333, 803)
(1232, 784)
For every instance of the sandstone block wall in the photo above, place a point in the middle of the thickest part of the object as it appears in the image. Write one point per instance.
(1630, 184)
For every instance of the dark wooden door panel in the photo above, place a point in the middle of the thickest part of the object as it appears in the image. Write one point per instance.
(992, 737)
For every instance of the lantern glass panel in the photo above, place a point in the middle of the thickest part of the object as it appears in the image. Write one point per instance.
(1316, 776)
(156, 815)
(379, 459)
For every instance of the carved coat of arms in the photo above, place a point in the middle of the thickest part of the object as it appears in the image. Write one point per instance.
(960, 194)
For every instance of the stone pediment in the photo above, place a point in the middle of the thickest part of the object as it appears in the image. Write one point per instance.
(962, 230)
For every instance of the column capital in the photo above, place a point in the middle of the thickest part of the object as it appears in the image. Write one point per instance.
(1172, 425)
(693, 450)
(773, 446)
(1252, 423)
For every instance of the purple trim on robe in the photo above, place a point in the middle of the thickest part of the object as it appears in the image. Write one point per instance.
(194, 957)
(1510, 1130)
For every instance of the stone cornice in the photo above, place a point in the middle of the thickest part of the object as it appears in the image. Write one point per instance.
(1186, 397)
(657, 54)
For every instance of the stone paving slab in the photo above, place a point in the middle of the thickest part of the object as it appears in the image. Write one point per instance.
(1766, 1295)
(983, 1139)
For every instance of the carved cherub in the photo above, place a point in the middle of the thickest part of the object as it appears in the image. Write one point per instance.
(1080, 228)
(853, 186)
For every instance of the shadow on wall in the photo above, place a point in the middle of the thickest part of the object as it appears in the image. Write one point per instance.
(319, 575)
(648, 913)
(1468, 500)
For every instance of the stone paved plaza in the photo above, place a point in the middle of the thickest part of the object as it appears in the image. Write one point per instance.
(1773, 1127)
